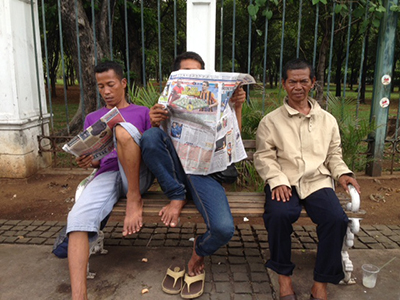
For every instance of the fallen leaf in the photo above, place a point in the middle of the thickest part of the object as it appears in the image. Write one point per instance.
(145, 291)
(144, 259)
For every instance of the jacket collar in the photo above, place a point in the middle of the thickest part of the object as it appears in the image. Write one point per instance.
(293, 112)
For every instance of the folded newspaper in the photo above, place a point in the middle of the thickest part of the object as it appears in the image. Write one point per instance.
(96, 140)
(202, 123)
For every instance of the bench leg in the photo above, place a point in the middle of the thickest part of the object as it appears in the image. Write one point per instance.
(353, 228)
(96, 247)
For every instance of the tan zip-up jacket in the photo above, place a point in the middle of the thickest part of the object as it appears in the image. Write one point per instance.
(298, 150)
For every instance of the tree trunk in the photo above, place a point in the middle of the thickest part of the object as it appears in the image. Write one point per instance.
(364, 73)
(87, 59)
(321, 69)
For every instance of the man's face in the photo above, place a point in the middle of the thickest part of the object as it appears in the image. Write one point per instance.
(112, 89)
(205, 86)
(298, 84)
(190, 64)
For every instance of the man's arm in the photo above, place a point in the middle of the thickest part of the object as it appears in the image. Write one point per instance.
(158, 113)
(266, 160)
(238, 98)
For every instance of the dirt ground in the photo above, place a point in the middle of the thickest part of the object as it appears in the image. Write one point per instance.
(49, 196)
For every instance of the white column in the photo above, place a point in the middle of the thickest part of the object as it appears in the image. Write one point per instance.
(200, 30)
(20, 118)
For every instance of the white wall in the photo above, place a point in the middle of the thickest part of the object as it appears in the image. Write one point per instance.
(21, 99)
(200, 30)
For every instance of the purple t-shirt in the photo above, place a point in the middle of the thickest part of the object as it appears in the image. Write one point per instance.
(134, 114)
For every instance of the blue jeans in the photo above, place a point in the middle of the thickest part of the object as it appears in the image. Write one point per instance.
(324, 209)
(209, 196)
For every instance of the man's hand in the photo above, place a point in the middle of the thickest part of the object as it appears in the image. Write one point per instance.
(281, 192)
(238, 98)
(133, 221)
(157, 114)
(86, 161)
(344, 180)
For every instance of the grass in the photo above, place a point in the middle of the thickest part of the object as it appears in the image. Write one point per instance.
(252, 114)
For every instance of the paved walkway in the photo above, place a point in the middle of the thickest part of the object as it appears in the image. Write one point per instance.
(234, 272)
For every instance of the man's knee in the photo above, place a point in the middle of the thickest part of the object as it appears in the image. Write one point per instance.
(122, 135)
(224, 231)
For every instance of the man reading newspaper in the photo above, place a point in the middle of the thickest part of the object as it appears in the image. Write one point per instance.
(207, 193)
(119, 173)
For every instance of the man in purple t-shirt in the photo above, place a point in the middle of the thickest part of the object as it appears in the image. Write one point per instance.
(119, 173)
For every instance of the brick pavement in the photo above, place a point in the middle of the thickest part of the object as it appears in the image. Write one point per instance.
(235, 271)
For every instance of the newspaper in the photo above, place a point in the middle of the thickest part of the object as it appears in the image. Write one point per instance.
(96, 140)
(202, 122)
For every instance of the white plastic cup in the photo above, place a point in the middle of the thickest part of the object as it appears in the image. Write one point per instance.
(370, 274)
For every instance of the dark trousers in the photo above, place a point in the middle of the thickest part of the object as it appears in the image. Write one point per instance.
(324, 209)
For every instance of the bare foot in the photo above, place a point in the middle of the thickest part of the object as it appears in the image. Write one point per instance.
(170, 213)
(196, 263)
(133, 221)
(285, 286)
(319, 290)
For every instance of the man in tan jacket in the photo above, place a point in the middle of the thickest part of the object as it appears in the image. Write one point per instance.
(298, 154)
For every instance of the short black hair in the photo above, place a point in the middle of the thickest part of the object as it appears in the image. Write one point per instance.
(110, 65)
(297, 64)
(187, 55)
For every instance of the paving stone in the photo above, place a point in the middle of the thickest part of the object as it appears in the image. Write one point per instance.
(367, 227)
(161, 230)
(6, 227)
(242, 287)
(141, 235)
(22, 241)
(263, 238)
(390, 245)
(367, 240)
(156, 243)
(24, 222)
(2, 239)
(186, 236)
(251, 252)
(10, 239)
(381, 227)
(223, 287)
(147, 230)
(235, 251)
(236, 260)
(12, 222)
(306, 240)
(259, 276)
(264, 245)
(235, 239)
(125, 242)
(151, 225)
(220, 297)
(201, 231)
(393, 226)
(158, 236)
(174, 230)
(373, 233)
(298, 228)
(250, 245)
(395, 238)
(310, 227)
(261, 288)
(2, 221)
(248, 238)
(43, 228)
(46, 234)
(38, 223)
(37, 241)
(221, 277)
(242, 297)
(173, 236)
(235, 244)
(258, 227)
(255, 259)
(200, 225)
(301, 233)
(113, 242)
(171, 243)
(382, 239)
(22, 233)
(49, 241)
(246, 232)
(238, 268)
(263, 297)
(240, 277)
(185, 244)
(359, 245)
(376, 246)
(221, 251)
(9, 233)
(219, 268)
(244, 226)
(310, 246)
(256, 267)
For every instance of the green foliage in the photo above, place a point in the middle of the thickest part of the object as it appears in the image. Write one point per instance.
(248, 176)
(353, 131)
(146, 96)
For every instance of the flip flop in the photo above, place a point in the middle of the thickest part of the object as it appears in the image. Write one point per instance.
(173, 279)
(194, 286)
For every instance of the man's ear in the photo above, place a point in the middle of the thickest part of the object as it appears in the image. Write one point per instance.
(313, 82)
(124, 82)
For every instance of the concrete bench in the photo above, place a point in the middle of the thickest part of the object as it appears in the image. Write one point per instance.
(246, 204)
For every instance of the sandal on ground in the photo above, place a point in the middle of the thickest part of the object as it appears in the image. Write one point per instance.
(173, 279)
(289, 297)
(194, 286)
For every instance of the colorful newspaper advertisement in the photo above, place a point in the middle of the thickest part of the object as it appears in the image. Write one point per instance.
(202, 122)
(97, 139)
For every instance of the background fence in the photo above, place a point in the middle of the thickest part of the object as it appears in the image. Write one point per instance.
(340, 38)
